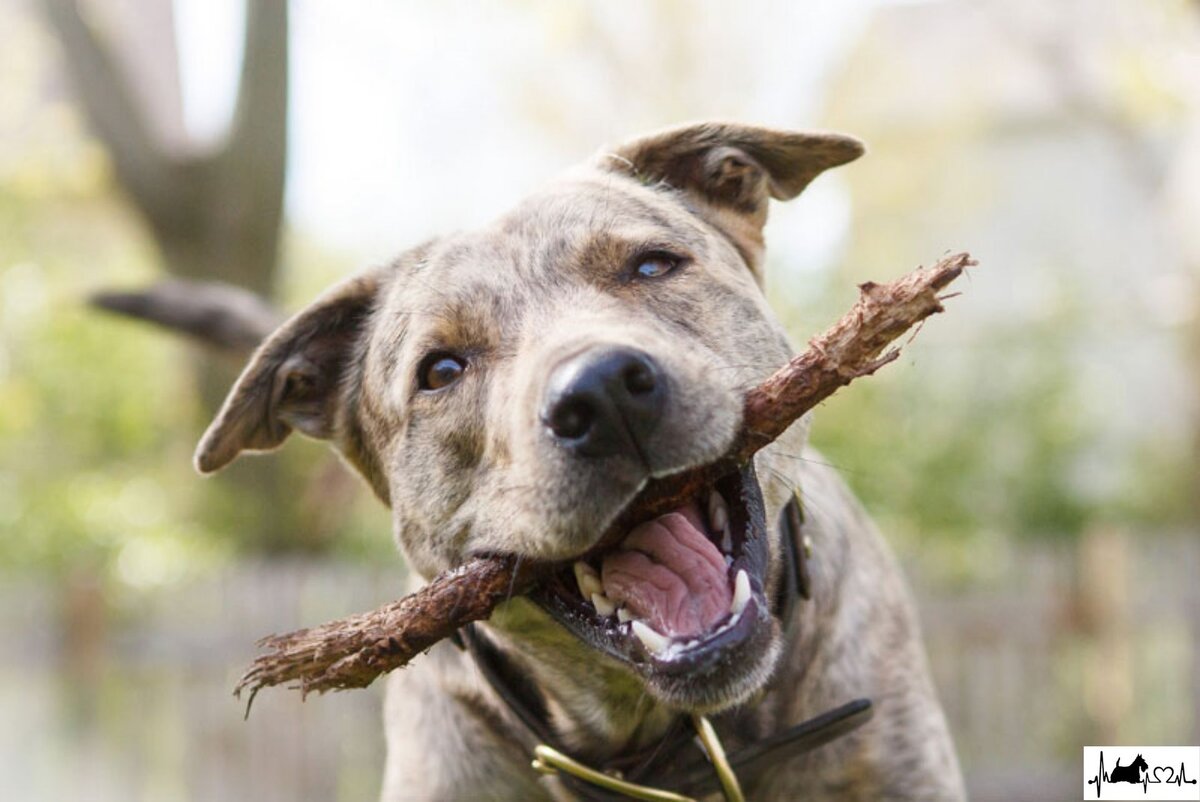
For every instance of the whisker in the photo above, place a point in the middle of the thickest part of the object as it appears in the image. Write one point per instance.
(824, 463)
(746, 366)
(512, 583)
(809, 501)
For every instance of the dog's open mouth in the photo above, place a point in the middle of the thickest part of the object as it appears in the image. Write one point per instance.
(679, 592)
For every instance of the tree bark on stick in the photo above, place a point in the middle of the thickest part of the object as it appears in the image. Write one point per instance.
(353, 652)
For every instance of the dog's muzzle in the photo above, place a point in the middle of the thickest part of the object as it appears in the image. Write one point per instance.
(605, 402)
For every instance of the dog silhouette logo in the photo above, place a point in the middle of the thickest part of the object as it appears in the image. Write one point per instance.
(1128, 774)
(1148, 772)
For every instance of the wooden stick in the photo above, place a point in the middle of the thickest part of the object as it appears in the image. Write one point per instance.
(352, 652)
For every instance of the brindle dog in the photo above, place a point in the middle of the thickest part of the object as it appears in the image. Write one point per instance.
(509, 390)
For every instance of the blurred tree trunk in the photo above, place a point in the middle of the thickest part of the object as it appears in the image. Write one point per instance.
(214, 214)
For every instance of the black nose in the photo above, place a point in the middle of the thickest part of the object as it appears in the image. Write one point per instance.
(604, 402)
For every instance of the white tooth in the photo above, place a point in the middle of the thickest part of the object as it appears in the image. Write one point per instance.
(718, 513)
(726, 541)
(588, 579)
(653, 640)
(741, 592)
(604, 605)
(624, 615)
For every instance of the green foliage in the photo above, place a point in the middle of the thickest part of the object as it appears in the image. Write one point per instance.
(99, 416)
(964, 440)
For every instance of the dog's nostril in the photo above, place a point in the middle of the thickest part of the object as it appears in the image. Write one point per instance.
(638, 378)
(571, 420)
(604, 401)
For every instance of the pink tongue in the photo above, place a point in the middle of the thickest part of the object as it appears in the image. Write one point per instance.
(670, 575)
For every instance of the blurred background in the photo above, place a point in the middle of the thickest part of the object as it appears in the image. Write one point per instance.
(1032, 458)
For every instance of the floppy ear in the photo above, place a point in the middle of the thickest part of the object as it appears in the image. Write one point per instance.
(295, 378)
(731, 171)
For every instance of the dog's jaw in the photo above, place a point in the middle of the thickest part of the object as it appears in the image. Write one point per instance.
(683, 601)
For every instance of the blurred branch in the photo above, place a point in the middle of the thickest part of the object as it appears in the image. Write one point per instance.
(215, 313)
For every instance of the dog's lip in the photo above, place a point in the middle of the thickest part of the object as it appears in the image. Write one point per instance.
(711, 651)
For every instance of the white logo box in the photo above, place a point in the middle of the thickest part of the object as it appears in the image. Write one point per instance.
(1170, 772)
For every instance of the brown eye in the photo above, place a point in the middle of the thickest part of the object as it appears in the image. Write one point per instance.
(656, 264)
(440, 370)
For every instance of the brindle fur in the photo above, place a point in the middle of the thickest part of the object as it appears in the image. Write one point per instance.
(470, 468)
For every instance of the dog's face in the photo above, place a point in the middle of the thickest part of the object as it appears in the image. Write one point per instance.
(510, 390)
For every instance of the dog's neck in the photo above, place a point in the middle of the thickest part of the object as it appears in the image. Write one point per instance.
(595, 707)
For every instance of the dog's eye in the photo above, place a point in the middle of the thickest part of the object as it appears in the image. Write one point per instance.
(440, 370)
(656, 264)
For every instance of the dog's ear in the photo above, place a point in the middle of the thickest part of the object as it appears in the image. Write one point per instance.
(731, 171)
(295, 378)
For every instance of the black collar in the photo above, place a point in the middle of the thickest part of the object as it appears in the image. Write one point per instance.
(674, 762)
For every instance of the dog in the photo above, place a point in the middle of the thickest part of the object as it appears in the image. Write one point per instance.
(510, 390)
(1131, 773)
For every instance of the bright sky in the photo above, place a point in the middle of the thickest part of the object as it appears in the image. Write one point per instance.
(413, 118)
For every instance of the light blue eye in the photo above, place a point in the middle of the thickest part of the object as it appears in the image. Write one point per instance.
(657, 265)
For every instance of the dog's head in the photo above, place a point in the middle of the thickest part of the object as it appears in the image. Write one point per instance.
(510, 390)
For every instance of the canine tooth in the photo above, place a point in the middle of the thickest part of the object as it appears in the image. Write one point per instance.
(741, 592)
(718, 513)
(624, 615)
(587, 579)
(651, 638)
(604, 605)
